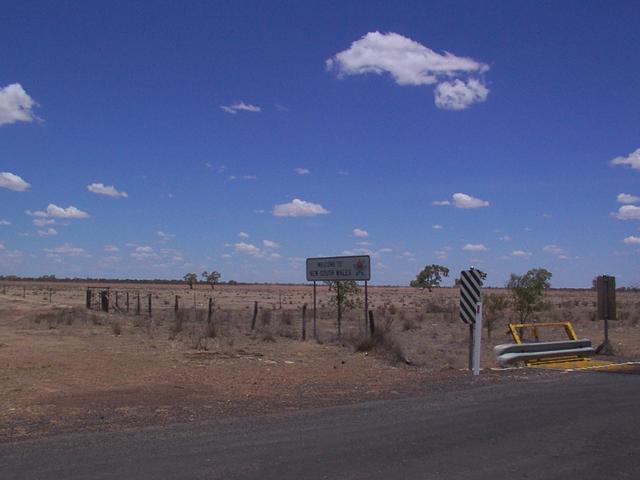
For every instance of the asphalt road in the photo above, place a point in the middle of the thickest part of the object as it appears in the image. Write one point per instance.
(577, 426)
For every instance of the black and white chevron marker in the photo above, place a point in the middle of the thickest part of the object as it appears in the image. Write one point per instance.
(470, 285)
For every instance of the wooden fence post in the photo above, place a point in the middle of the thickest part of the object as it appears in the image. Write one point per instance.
(176, 305)
(255, 315)
(104, 301)
(138, 304)
(50, 295)
(372, 325)
(211, 328)
(89, 295)
(149, 305)
(127, 302)
(304, 322)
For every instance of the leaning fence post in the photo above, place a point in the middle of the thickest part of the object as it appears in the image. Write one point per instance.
(304, 322)
(255, 315)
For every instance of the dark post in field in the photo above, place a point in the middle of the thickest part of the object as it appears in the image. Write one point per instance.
(372, 324)
(176, 304)
(211, 329)
(315, 331)
(104, 300)
(304, 322)
(50, 295)
(88, 300)
(127, 302)
(255, 315)
(606, 287)
(366, 306)
(24, 292)
(149, 307)
(138, 303)
(339, 309)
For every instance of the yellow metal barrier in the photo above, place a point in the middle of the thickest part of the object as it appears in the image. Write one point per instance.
(516, 330)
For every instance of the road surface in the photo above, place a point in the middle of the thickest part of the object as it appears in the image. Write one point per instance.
(573, 426)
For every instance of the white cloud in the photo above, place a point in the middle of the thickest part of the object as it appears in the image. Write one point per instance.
(505, 238)
(411, 63)
(4, 222)
(343, 173)
(15, 105)
(437, 226)
(385, 250)
(248, 249)
(441, 203)
(632, 240)
(627, 198)
(554, 249)
(165, 237)
(41, 222)
(520, 254)
(357, 232)
(302, 171)
(632, 160)
(143, 252)
(59, 212)
(240, 106)
(459, 94)
(49, 232)
(474, 247)
(111, 249)
(270, 244)
(68, 250)
(108, 190)
(462, 200)
(299, 208)
(13, 182)
(628, 212)
(243, 235)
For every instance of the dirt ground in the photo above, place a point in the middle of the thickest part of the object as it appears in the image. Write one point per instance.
(65, 368)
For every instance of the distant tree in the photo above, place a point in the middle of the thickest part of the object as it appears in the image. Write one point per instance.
(211, 278)
(430, 277)
(190, 278)
(346, 295)
(232, 282)
(493, 304)
(527, 291)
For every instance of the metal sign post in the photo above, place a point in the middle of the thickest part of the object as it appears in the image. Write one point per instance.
(606, 287)
(471, 313)
(340, 269)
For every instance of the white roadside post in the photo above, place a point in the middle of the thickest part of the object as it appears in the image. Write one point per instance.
(477, 339)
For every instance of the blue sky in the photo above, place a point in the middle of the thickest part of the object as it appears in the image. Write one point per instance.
(250, 135)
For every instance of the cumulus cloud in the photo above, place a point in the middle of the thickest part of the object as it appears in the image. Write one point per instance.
(554, 249)
(520, 254)
(441, 203)
(460, 94)
(143, 252)
(248, 249)
(270, 244)
(632, 240)
(474, 247)
(632, 160)
(15, 105)
(13, 182)
(627, 198)
(108, 190)
(49, 232)
(437, 226)
(111, 249)
(41, 222)
(68, 250)
(59, 212)
(462, 200)
(4, 222)
(411, 63)
(243, 235)
(239, 107)
(165, 237)
(302, 171)
(299, 208)
(628, 212)
(357, 232)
